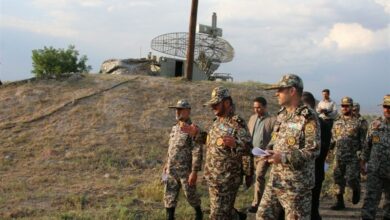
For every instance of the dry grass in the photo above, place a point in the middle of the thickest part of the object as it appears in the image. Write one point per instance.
(100, 157)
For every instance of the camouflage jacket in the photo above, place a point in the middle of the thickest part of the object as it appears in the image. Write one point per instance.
(347, 137)
(364, 125)
(297, 136)
(377, 147)
(184, 153)
(225, 164)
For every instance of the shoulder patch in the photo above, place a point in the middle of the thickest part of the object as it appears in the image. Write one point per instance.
(310, 127)
(376, 139)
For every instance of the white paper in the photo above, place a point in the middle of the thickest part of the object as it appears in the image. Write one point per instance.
(164, 177)
(259, 152)
(326, 167)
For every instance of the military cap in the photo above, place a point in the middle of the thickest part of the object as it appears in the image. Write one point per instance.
(386, 100)
(288, 80)
(347, 101)
(182, 103)
(356, 106)
(217, 95)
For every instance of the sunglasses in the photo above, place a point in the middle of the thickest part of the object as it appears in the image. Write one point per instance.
(345, 106)
(386, 106)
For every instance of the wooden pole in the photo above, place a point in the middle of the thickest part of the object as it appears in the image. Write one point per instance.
(191, 40)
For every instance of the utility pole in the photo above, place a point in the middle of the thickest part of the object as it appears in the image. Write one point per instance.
(191, 40)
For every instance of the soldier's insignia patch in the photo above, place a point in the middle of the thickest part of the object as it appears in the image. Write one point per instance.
(309, 128)
(219, 141)
(376, 139)
(338, 130)
(290, 141)
(273, 136)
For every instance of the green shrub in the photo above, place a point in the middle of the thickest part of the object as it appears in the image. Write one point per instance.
(56, 63)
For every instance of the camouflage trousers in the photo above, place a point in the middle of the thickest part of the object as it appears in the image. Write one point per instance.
(172, 188)
(261, 170)
(374, 187)
(346, 173)
(296, 205)
(222, 198)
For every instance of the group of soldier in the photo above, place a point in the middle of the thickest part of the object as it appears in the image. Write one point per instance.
(296, 142)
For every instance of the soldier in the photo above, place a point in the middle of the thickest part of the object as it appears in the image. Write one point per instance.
(296, 144)
(260, 126)
(228, 157)
(347, 138)
(184, 160)
(377, 153)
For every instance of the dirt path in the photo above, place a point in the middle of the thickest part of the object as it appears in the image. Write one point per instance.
(351, 211)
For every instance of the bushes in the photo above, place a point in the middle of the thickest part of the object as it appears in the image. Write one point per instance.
(56, 63)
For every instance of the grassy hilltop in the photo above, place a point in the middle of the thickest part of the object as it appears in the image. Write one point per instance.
(93, 148)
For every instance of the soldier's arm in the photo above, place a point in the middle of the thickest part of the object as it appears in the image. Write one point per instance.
(365, 155)
(363, 132)
(244, 147)
(248, 162)
(197, 156)
(333, 138)
(298, 158)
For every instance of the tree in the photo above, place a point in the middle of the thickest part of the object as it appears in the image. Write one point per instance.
(56, 63)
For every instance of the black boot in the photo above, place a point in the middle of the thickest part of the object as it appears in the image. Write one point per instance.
(339, 205)
(198, 213)
(356, 196)
(171, 213)
(241, 215)
(252, 209)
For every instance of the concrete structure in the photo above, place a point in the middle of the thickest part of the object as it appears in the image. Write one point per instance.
(173, 67)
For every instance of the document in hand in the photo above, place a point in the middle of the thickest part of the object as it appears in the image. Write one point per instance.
(259, 152)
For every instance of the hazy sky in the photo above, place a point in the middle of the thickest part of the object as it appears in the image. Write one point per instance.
(343, 45)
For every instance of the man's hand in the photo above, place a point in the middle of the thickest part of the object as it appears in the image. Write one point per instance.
(229, 141)
(363, 167)
(165, 168)
(248, 181)
(191, 130)
(192, 178)
(324, 111)
(275, 157)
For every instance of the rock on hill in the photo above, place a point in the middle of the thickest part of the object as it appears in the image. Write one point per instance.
(93, 147)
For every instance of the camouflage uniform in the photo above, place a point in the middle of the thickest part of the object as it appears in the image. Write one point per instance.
(184, 156)
(377, 152)
(224, 165)
(347, 138)
(297, 136)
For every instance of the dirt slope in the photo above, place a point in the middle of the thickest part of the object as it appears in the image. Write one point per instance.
(77, 146)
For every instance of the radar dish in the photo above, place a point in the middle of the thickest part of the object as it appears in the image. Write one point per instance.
(214, 49)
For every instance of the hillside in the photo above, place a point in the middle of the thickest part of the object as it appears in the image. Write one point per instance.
(93, 148)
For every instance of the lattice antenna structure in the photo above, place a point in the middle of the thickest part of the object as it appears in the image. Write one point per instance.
(210, 49)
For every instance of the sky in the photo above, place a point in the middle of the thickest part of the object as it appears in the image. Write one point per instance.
(342, 45)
